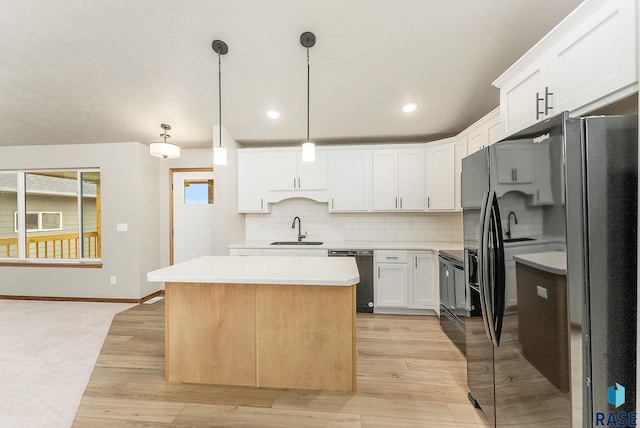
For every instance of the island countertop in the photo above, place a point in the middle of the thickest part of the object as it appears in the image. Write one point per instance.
(327, 271)
(551, 261)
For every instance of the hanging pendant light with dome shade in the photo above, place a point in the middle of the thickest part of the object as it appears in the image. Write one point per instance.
(219, 152)
(164, 150)
(307, 40)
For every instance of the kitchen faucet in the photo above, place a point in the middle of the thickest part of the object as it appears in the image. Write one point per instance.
(508, 233)
(293, 226)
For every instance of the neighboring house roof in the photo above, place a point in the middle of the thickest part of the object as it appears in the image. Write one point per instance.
(43, 184)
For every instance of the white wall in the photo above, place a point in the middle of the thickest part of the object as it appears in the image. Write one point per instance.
(129, 195)
(229, 225)
(320, 225)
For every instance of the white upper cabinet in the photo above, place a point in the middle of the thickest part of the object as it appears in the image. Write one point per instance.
(398, 180)
(441, 177)
(349, 176)
(411, 179)
(484, 132)
(597, 58)
(520, 101)
(252, 181)
(288, 172)
(461, 152)
(587, 61)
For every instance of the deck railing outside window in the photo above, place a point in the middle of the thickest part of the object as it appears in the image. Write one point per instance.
(59, 246)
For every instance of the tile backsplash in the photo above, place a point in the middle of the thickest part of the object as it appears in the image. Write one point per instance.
(320, 225)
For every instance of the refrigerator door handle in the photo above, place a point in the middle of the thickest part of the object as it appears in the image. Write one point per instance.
(482, 255)
(487, 267)
(498, 270)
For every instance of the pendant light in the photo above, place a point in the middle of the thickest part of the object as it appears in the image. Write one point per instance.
(164, 149)
(307, 40)
(219, 152)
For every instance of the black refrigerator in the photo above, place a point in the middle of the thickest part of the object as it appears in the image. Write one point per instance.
(550, 236)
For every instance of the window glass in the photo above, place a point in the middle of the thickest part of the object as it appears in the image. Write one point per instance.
(8, 210)
(51, 202)
(198, 192)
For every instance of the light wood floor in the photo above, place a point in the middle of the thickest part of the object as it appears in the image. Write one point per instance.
(409, 375)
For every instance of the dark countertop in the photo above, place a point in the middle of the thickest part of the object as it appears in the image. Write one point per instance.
(454, 254)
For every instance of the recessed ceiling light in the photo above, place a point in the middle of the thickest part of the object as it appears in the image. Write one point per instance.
(408, 108)
(273, 114)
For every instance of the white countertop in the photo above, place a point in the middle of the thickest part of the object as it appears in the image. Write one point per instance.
(552, 261)
(357, 245)
(331, 271)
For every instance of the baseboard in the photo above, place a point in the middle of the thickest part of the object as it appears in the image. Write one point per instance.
(84, 299)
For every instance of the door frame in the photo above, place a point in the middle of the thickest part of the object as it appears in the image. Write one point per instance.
(171, 172)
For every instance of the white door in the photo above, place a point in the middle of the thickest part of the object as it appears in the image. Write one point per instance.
(193, 215)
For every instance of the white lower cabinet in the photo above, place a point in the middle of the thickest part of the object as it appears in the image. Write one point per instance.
(423, 281)
(405, 281)
(391, 285)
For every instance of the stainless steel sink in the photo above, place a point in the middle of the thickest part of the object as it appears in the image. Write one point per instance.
(296, 243)
(506, 241)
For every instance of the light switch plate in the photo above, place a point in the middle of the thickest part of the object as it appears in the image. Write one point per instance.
(122, 227)
(542, 292)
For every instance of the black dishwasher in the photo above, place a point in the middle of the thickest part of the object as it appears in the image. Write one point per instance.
(364, 289)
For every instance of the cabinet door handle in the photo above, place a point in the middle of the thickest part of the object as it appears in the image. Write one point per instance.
(547, 107)
(391, 257)
(538, 195)
(416, 258)
(332, 203)
(299, 183)
(378, 271)
(538, 99)
(400, 202)
(294, 182)
(396, 202)
(515, 170)
(428, 201)
(261, 203)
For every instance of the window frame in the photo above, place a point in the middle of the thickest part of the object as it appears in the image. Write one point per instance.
(19, 218)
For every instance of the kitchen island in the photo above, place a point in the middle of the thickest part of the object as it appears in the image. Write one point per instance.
(283, 322)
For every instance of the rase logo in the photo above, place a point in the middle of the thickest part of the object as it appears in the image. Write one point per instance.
(615, 397)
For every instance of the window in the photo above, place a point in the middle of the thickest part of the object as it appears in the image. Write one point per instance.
(198, 192)
(41, 221)
(43, 214)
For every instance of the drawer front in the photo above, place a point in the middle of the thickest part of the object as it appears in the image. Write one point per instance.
(391, 256)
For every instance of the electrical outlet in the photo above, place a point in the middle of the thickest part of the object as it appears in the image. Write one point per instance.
(113, 280)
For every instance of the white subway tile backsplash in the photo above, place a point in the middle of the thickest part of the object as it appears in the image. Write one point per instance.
(321, 225)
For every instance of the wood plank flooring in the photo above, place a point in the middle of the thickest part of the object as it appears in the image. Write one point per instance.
(409, 375)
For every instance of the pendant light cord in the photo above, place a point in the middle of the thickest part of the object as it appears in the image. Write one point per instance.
(219, 101)
(308, 84)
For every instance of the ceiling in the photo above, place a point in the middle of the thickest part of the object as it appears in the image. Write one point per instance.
(77, 71)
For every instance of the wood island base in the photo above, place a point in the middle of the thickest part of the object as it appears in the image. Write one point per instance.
(261, 335)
